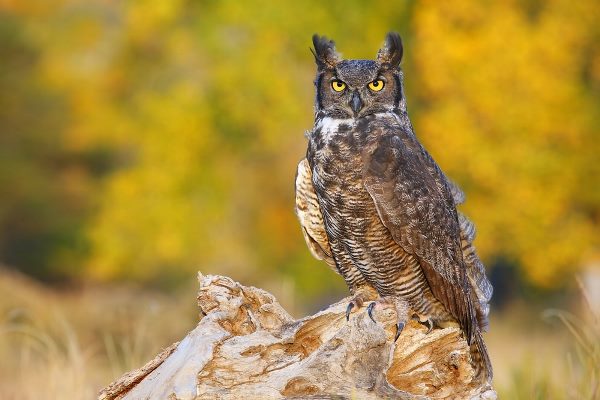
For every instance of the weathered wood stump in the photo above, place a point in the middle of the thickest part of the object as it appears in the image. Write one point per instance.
(246, 346)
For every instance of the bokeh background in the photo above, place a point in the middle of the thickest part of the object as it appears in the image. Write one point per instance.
(143, 141)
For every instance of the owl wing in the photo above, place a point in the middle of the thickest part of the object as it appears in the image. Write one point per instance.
(481, 288)
(415, 202)
(309, 214)
(457, 194)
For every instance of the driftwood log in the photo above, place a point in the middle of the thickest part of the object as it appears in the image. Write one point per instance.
(246, 346)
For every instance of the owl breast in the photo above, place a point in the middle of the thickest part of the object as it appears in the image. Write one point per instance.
(362, 247)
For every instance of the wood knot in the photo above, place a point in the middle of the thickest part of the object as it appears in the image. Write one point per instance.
(299, 386)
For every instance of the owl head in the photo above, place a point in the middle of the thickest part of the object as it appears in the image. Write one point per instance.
(356, 88)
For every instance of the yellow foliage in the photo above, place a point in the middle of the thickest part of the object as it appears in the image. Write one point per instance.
(203, 105)
(509, 112)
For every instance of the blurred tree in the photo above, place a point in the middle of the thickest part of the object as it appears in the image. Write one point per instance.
(156, 138)
(44, 185)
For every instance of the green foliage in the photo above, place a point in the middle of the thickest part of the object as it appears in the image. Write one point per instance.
(147, 140)
(43, 193)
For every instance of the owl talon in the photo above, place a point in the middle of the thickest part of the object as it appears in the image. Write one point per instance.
(399, 328)
(370, 311)
(429, 324)
(349, 310)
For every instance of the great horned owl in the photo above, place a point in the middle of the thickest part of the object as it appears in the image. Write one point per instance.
(375, 206)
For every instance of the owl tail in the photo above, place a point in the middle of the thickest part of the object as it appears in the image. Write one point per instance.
(480, 359)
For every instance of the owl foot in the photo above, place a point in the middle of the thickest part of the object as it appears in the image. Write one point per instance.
(357, 303)
(400, 306)
(427, 322)
(361, 295)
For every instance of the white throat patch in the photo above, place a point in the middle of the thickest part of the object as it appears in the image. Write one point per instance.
(330, 126)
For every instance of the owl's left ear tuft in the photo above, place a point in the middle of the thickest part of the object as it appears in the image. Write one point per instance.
(324, 51)
(391, 52)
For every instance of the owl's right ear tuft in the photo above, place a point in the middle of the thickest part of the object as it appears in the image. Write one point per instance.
(324, 51)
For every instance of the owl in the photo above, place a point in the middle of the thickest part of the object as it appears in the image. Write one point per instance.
(375, 206)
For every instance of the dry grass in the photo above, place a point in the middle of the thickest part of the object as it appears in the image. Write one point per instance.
(68, 345)
(554, 354)
(583, 362)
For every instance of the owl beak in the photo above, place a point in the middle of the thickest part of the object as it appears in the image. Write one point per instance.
(356, 103)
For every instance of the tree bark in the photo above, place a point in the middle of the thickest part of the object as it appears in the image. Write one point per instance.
(246, 346)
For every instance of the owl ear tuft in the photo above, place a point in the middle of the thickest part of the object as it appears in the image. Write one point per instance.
(391, 52)
(324, 51)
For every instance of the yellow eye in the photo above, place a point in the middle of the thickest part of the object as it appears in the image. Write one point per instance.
(338, 86)
(376, 85)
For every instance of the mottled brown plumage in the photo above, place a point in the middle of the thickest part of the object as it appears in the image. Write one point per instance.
(376, 207)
